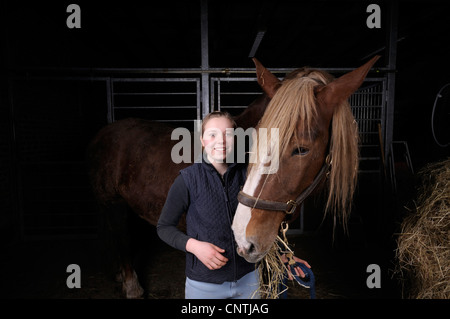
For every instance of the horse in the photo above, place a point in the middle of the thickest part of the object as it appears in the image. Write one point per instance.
(315, 145)
(130, 168)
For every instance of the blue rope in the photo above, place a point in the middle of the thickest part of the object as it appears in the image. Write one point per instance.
(307, 282)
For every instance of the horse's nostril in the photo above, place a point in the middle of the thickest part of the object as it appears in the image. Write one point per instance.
(251, 248)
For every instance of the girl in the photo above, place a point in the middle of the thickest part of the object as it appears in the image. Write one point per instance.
(207, 192)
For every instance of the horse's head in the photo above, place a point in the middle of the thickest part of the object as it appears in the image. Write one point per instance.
(313, 122)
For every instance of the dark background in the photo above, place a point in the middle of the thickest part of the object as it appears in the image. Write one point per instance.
(314, 33)
(45, 131)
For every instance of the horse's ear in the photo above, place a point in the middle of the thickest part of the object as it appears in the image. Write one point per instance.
(341, 89)
(268, 82)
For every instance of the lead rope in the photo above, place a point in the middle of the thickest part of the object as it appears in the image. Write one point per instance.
(308, 281)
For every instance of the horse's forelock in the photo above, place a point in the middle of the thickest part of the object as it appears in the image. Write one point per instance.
(293, 102)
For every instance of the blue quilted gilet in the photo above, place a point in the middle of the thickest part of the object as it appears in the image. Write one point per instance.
(213, 203)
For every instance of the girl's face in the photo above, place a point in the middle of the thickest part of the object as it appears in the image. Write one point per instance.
(218, 139)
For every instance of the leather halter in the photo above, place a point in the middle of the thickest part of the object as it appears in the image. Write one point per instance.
(290, 206)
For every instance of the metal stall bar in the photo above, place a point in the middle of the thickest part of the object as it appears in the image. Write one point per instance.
(392, 63)
(205, 57)
(143, 71)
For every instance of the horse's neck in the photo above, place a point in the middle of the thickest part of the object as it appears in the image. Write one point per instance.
(253, 113)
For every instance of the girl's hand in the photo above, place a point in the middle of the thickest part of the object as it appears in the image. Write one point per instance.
(210, 255)
(298, 271)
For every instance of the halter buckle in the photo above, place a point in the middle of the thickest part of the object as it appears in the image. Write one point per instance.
(291, 206)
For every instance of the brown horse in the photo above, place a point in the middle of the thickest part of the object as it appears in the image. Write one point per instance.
(315, 130)
(131, 167)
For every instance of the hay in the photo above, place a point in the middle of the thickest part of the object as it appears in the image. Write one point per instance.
(272, 271)
(423, 253)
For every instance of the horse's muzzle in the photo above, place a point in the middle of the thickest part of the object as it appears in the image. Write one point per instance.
(250, 253)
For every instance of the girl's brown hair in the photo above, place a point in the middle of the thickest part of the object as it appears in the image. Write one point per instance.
(216, 114)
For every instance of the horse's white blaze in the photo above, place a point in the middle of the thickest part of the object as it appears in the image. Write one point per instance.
(243, 213)
(241, 219)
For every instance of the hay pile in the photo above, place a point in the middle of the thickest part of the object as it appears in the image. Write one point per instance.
(423, 252)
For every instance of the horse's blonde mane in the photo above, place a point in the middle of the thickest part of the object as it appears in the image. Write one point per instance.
(294, 101)
(344, 150)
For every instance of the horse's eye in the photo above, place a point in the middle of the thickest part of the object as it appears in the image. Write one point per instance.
(300, 151)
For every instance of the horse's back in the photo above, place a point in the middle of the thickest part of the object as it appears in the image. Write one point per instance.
(130, 160)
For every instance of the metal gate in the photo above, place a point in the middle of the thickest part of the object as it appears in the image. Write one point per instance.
(369, 108)
(170, 100)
